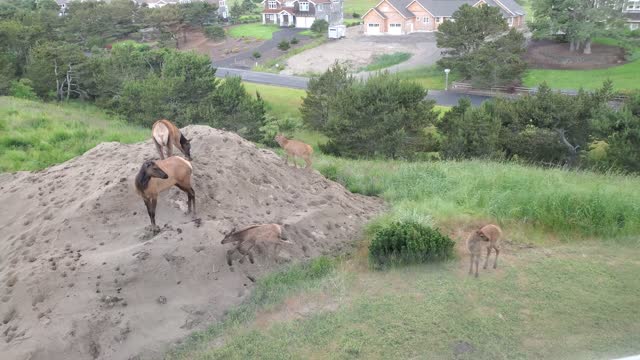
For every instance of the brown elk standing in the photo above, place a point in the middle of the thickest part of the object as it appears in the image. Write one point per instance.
(258, 236)
(489, 236)
(165, 134)
(295, 148)
(155, 177)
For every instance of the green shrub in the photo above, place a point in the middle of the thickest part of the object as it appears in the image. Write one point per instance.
(214, 32)
(273, 126)
(320, 26)
(22, 89)
(257, 55)
(355, 15)
(408, 242)
(284, 45)
(295, 41)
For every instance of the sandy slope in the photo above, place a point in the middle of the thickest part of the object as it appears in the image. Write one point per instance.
(81, 278)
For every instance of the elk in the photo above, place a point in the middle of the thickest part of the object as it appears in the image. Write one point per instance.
(295, 148)
(165, 134)
(157, 176)
(489, 236)
(259, 236)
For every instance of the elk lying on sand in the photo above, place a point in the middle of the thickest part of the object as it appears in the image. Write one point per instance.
(488, 236)
(295, 148)
(258, 236)
(155, 177)
(165, 134)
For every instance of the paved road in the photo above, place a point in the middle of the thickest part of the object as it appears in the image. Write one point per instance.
(445, 98)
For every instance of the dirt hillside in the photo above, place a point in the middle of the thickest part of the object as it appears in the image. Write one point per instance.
(81, 277)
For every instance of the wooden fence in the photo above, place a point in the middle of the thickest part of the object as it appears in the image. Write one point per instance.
(512, 91)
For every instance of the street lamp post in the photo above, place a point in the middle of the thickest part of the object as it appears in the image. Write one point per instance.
(446, 77)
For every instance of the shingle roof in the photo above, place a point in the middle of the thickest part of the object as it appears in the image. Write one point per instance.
(633, 16)
(401, 6)
(513, 6)
(444, 7)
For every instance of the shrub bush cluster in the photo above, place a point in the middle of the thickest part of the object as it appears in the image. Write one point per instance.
(408, 242)
(284, 45)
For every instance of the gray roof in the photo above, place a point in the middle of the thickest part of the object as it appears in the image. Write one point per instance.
(401, 6)
(633, 16)
(448, 7)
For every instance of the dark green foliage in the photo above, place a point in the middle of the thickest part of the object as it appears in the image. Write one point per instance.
(320, 26)
(355, 15)
(320, 92)
(214, 32)
(284, 45)
(408, 242)
(478, 51)
(248, 6)
(236, 10)
(469, 132)
(294, 41)
(381, 117)
(256, 55)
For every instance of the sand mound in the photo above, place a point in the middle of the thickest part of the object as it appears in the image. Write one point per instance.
(82, 278)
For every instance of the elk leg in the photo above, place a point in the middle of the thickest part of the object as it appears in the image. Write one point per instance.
(191, 198)
(159, 148)
(169, 149)
(495, 263)
(308, 161)
(471, 264)
(286, 159)
(486, 261)
(477, 259)
(229, 253)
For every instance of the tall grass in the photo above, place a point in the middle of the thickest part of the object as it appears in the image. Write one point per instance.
(34, 135)
(386, 60)
(571, 204)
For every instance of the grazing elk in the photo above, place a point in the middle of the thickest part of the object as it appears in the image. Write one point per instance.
(165, 134)
(295, 148)
(258, 236)
(488, 236)
(155, 177)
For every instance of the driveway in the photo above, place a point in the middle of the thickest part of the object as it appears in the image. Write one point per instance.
(357, 51)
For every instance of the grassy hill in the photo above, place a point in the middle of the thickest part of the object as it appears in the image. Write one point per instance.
(34, 135)
(566, 286)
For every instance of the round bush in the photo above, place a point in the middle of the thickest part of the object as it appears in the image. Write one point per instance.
(408, 242)
(284, 45)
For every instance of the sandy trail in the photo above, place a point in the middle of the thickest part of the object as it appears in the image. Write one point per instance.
(81, 277)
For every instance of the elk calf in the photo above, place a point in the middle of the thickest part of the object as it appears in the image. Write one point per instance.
(488, 236)
(155, 177)
(295, 148)
(258, 236)
(165, 134)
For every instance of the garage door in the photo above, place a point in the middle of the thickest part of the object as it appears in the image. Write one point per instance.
(373, 29)
(395, 29)
(304, 22)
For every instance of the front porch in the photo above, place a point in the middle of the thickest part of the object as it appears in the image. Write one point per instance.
(283, 18)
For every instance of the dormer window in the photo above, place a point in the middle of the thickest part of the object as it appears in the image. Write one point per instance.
(273, 5)
(304, 6)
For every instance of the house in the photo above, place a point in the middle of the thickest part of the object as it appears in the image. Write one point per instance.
(398, 17)
(632, 13)
(301, 13)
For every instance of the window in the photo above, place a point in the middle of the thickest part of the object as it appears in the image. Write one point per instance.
(418, 18)
(304, 6)
(395, 25)
(437, 19)
(425, 19)
(221, 3)
(319, 7)
(273, 5)
(510, 21)
(634, 26)
(371, 25)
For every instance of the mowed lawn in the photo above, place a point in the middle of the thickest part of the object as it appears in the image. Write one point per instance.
(624, 77)
(431, 77)
(281, 101)
(358, 6)
(256, 31)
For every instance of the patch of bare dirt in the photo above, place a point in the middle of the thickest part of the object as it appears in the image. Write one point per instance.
(81, 277)
(218, 50)
(545, 54)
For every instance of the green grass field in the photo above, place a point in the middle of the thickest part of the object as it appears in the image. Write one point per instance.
(281, 101)
(624, 77)
(34, 135)
(387, 60)
(257, 31)
(358, 6)
(431, 77)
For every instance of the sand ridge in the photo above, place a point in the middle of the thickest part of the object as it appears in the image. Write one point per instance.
(82, 278)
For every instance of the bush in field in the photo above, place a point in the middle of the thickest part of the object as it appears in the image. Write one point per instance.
(284, 45)
(355, 15)
(320, 26)
(408, 242)
(22, 89)
(320, 92)
(273, 126)
(256, 55)
(214, 32)
(295, 41)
